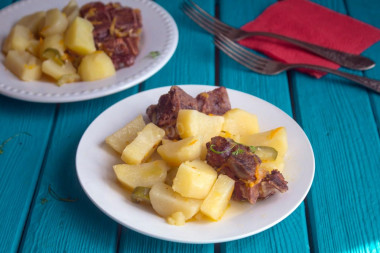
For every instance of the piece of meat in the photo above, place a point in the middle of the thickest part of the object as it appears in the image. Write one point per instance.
(165, 113)
(214, 102)
(116, 30)
(239, 163)
(272, 183)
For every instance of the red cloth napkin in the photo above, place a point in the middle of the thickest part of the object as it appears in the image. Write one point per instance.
(310, 22)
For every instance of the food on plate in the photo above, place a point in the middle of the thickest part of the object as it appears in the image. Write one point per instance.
(208, 155)
(121, 138)
(96, 66)
(143, 145)
(76, 43)
(144, 175)
(23, 64)
(117, 30)
(164, 114)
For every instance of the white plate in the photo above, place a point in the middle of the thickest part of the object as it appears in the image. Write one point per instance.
(160, 33)
(94, 162)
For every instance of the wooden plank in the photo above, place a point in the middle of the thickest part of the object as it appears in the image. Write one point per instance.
(23, 142)
(368, 12)
(192, 63)
(291, 234)
(338, 119)
(57, 225)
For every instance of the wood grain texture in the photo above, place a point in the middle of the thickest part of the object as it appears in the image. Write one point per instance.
(78, 226)
(24, 133)
(289, 235)
(344, 199)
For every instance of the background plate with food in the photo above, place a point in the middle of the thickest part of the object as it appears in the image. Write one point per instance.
(159, 38)
(95, 159)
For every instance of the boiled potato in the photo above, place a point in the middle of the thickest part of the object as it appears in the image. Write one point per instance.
(55, 23)
(55, 70)
(119, 140)
(194, 123)
(177, 219)
(275, 138)
(33, 21)
(277, 164)
(166, 202)
(53, 41)
(146, 174)
(18, 39)
(34, 48)
(96, 66)
(79, 38)
(71, 10)
(143, 145)
(176, 152)
(194, 179)
(238, 122)
(217, 200)
(23, 65)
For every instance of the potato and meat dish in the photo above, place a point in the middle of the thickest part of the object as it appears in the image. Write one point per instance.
(85, 43)
(196, 154)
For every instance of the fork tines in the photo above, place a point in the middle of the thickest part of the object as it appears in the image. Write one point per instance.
(203, 19)
(239, 54)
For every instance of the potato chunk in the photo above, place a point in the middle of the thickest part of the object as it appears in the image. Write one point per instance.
(96, 66)
(146, 174)
(194, 179)
(55, 70)
(79, 38)
(217, 200)
(71, 10)
(33, 21)
(18, 39)
(122, 137)
(194, 123)
(175, 153)
(166, 202)
(238, 122)
(177, 219)
(143, 145)
(24, 65)
(275, 138)
(55, 23)
(53, 41)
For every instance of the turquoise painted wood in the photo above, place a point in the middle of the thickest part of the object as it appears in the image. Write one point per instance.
(23, 148)
(344, 199)
(291, 234)
(61, 226)
(38, 144)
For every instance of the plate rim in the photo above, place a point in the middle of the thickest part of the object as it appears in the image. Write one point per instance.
(206, 240)
(112, 87)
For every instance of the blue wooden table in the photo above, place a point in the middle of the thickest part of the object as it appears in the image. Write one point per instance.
(340, 214)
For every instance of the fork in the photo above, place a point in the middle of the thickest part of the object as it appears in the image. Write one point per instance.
(214, 26)
(270, 67)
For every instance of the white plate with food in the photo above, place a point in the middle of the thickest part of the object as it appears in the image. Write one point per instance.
(159, 38)
(95, 160)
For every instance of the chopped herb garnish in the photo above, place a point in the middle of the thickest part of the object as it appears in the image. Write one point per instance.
(216, 151)
(252, 148)
(154, 54)
(55, 195)
(9, 139)
(238, 151)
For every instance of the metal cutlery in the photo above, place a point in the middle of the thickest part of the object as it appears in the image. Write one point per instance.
(214, 26)
(270, 67)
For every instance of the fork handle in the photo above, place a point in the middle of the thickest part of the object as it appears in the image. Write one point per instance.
(371, 84)
(344, 59)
